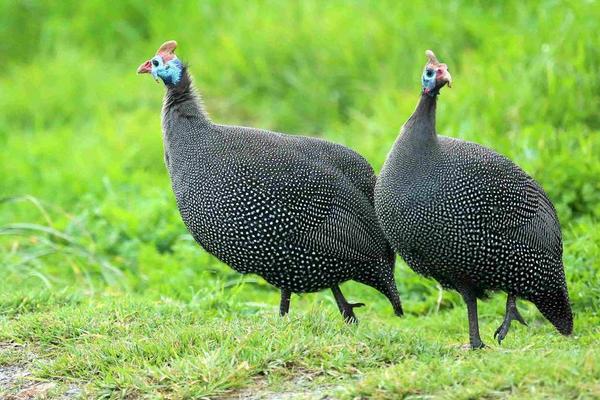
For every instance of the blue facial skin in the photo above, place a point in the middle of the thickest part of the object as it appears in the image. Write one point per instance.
(428, 80)
(170, 73)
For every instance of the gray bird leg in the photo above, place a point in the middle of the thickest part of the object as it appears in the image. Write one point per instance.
(284, 305)
(347, 309)
(512, 313)
(474, 337)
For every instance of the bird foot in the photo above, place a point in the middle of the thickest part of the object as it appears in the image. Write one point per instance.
(477, 345)
(511, 314)
(348, 312)
(473, 346)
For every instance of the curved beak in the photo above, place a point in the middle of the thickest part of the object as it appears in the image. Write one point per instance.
(443, 76)
(448, 78)
(145, 68)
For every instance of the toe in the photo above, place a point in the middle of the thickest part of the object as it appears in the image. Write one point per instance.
(519, 318)
(502, 334)
(477, 345)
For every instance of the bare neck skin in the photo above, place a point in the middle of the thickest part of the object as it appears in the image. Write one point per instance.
(420, 127)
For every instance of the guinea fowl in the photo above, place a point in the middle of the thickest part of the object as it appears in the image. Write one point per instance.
(470, 218)
(297, 211)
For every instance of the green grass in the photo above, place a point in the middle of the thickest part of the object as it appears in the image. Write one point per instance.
(125, 346)
(101, 286)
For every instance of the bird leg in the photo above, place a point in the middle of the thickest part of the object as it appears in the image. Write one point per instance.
(474, 337)
(347, 309)
(511, 313)
(284, 305)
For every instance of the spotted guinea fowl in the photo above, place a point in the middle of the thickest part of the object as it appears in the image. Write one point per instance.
(470, 218)
(297, 211)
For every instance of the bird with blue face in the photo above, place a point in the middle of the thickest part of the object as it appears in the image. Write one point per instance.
(433, 75)
(470, 218)
(164, 65)
(296, 210)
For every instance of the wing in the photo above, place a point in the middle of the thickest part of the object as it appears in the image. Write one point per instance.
(352, 165)
(498, 196)
(322, 198)
(542, 230)
(351, 230)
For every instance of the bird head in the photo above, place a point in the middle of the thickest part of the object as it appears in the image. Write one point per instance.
(164, 65)
(435, 75)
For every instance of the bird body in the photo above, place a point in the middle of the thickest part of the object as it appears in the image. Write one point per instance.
(297, 211)
(471, 219)
(266, 203)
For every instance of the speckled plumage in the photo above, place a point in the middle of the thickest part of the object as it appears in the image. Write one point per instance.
(297, 211)
(471, 219)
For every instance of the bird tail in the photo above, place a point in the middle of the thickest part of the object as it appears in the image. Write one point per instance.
(389, 288)
(556, 308)
(381, 277)
(391, 293)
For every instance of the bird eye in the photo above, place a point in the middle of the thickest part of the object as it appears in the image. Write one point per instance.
(155, 62)
(429, 73)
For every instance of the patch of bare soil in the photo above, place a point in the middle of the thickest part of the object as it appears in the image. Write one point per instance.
(299, 388)
(17, 383)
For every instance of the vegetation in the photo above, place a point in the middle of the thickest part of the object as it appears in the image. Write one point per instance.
(103, 289)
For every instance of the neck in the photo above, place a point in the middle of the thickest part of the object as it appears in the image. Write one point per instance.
(183, 100)
(417, 143)
(185, 124)
(421, 123)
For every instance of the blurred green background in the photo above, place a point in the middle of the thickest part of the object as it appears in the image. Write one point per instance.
(86, 206)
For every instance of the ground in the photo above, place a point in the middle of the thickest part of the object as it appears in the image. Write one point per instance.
(122, 346)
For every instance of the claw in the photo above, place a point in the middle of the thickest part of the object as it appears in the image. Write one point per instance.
(512, 313)
(500, 333)
(502, 330)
